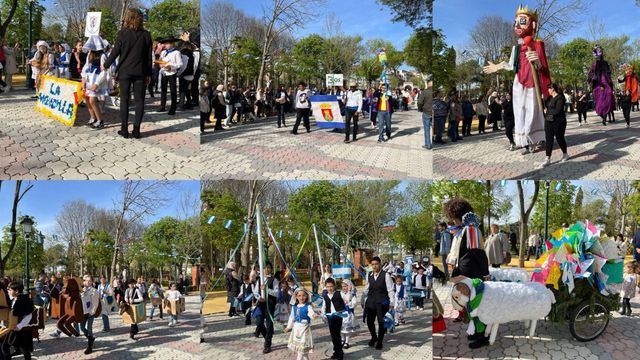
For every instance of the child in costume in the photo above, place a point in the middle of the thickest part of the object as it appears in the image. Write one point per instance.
(600, 79)
(108, 301)
(348, 324)
(399, 291)
(92, 308)
(21, 307)
(332, 310)
(302, 312)
(63, 62)
(156, 294)
(283, 308)
(171, 63)
(132, 296)
(246, 297)
(94, 80)
(629, 287)
(173, 295)
(420, 288)
(527, 58)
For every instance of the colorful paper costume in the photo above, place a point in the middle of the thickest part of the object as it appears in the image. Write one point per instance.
(630, 81)
(6, 315)
(133, 313)
(71, 310)
(600, 80)
(529, 116)
(174, 307)
(382, 59)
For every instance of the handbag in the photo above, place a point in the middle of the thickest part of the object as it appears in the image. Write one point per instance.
(549, 117)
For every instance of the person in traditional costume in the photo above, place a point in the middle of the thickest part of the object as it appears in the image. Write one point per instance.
(173, 295)
(266, 295)
(528, 59)
(332, 309)
(94, 79)
(600, 80)
(92, 308)
(22, 308)
(379, 295)
(132, 296)
(63, 62)
(400, 296)
(156, 294)
(301, 340)
(108, 302)
(350, 300)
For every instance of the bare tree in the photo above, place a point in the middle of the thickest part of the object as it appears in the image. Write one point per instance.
(557, 17)
(221, 24)
(525, 212)
(73, 222)
(490, 36)
(596, 29)
(18, 194)
(137, 200)
(283, 16)
(620, 191)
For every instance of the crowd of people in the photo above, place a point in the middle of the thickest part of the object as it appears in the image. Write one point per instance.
(132, 64)
(230, 105)
(388, 292)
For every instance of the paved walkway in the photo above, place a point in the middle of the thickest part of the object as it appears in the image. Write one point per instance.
(229, 339)
(33, 146)
(155, 341)
(597, 153)
(551, 341)
(260, 150)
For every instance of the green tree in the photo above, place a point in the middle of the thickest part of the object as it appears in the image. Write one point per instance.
(573, 63)
(595, 211)
(418, 50)
(15, 266)
(18, 27)
(412, 12)
(218, 240)
(414, 231)
(169, 17)
(307, 54)
(560, 206)
(109, 23)
(369, 69)
(246, 60)
(444, 63)
(98, 251)
(578, 206)
(473, 191)
(55, 256)
(315, 203)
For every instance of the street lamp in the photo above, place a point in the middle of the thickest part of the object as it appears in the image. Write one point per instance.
(28, 68)
(547, 185)
(27, 229)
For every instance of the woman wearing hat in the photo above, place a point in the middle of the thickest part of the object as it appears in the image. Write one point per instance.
(41, 64)
(133, 50)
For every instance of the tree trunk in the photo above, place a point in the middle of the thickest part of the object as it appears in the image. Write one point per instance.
(5, 25)
(524, 218)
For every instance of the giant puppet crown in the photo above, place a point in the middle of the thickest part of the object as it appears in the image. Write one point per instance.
(526, 11)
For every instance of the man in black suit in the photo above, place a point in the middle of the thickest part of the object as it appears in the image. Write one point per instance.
(379, 293)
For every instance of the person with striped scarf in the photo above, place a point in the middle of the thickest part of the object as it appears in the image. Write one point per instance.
(467, 257)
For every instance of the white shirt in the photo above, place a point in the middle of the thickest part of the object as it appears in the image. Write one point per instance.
(302, 99)
(173, 295)
(90, 299)
(354, 99)
(532, 240)
(324, 305)
(273, 290)
(174, 60)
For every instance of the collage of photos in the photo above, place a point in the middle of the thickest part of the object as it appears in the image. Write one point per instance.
(319, 179)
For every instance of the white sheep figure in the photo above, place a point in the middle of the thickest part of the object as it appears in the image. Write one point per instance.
(509, 274)
(504, 302)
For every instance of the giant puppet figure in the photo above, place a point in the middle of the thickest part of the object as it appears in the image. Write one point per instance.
(600, 79)
(529, 62)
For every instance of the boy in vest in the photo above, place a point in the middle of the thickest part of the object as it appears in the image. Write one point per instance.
(380, 297)
(420, 286)
(332, 305)
(171, 63)
(266, 296)
(21, 307)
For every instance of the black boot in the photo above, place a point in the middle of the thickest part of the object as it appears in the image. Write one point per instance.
(136, 131)
(482, 341)
(89, 349)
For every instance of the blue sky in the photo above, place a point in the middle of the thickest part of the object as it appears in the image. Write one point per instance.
(46, 198)
(458, 17)
(362, 17)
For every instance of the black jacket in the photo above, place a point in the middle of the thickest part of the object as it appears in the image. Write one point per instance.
(555, 107)
(134, 49)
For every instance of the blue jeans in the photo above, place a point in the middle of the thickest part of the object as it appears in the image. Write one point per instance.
(105, 322)
(384, 121)
(426, 122)
(439, 127)
(280, 114)
(87, 326)
(453, 131)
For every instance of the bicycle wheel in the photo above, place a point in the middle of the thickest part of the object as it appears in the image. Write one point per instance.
(587, 323)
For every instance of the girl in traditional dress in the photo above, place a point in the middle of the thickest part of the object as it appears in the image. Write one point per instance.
(94, 80)
(400, 296)
(156, 294)
(301, 340)
(348, 293)
(41, 64)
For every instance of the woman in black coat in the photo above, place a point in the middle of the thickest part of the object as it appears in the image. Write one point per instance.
(133, 46)
(555, 124)
(232, 284)
(218, 107)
